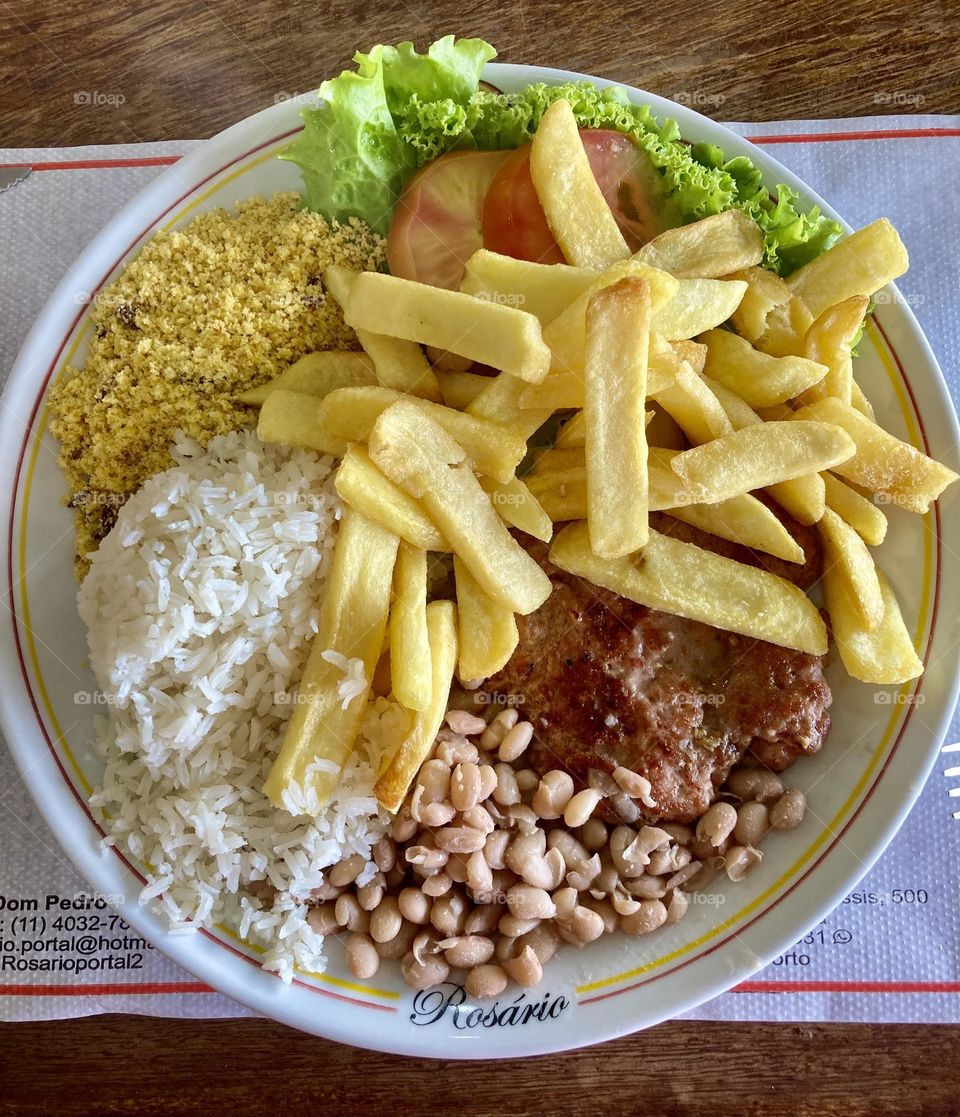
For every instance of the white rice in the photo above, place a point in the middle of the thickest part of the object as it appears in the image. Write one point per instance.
(200, 606)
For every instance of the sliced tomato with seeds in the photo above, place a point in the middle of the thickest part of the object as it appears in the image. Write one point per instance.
(436, 225)
(513, 219)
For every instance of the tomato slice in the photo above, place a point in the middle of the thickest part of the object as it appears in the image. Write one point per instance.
(513, 219)
(436, 225)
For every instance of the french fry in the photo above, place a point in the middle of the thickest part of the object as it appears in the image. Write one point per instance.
(572, 433)
(353, 620)
(403, 765)
(565, 334)
(690, 582)
(699, 305)
(572, 201)
(692, 352)
(861, 514)
(500, 403)
(553, 459)
(693, 406)
(398, 364)
(615, 391)
(757, 378)
(316, 374)
(350, 414)
(858, 264)
(894, 470)
(663, 430)
(411, 664)
(460, 389)
(765, 291)
(518, 507)
(544, 290)
(290, 419)
(787, 326)
(884, 656)
(417, 454)
(829, 341)
(860, 402)
(848, 553)
(803, 497)
(710, 248)
(758, 456)
(500, 336)
(361, 485)
(487, 630)
(741, 519)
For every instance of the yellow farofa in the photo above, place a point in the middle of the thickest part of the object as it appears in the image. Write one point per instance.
(204, 312)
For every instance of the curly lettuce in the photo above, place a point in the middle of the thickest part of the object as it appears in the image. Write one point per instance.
(402, 109)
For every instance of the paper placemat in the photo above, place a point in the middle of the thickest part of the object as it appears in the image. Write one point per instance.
(889, 952)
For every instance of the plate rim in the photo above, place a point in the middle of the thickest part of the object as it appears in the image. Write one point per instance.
(19, 384)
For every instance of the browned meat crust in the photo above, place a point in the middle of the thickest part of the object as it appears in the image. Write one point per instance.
(606, 682)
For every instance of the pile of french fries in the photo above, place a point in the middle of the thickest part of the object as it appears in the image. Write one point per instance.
(689, 379)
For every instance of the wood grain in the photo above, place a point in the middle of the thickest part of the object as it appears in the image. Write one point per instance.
(187, 69)
(127, 1065)
(174, 69)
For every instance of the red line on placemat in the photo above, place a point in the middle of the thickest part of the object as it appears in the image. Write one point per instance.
(840, 137)
(847, 987)
(121, 989)
(99, 164)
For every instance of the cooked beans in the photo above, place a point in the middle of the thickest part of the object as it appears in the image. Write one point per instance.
(461, 721)
(717, 824)
(581, 806)
(515, 741)
(449, 914)
(787, 812)
(507, 792)
(527, 902)
(460, 839)
(477, 873)
(346, 871)
(486, 981)
(363, 961)
(554, 793)
(594, 834)
(371, 893)
(525, 969)
(385, 920)
(755, 783)
(739, 860)
(633, 784)
(466, 951)
(648, 917)
(323, 919)
(349, 914)
(421, 975)
(414, 905)
(494, 733)
(753, 821)
(437, 885)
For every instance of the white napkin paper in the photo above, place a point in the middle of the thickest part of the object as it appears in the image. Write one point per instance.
(891, 952)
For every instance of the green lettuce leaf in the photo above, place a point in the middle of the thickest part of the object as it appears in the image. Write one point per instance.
(353, 159)
(402, 109)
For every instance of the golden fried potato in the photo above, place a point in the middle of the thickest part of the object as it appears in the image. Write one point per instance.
(411, 664)
(544, 290)
(488, 630)
(757, 378)
(706, 249)
(699, 305)
(316, 374)
(518, 507)
(861, 514)
(829, 341)
(848, 553)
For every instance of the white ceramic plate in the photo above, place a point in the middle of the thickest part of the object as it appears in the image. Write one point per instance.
(860, 787)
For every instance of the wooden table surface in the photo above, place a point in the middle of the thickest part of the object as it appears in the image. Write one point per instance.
(186, 69)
